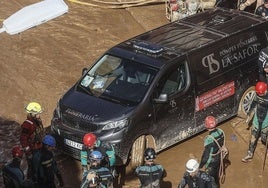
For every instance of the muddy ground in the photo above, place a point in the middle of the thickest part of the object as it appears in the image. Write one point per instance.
(40, 64)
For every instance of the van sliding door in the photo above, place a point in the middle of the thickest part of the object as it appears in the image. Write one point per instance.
(174, 118)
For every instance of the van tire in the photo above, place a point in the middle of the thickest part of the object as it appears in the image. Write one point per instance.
(245, 102)
(137, 151)
(138, 147)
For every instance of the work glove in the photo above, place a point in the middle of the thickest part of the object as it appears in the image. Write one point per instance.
(92, 178)
(27, 151)
(59, 177)
(242, 6)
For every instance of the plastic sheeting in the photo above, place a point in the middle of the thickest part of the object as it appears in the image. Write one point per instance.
(33, 15)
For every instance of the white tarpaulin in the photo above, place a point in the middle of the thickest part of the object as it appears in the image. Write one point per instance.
(33, 15)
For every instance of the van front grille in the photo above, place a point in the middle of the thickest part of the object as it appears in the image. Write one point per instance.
(78, 124)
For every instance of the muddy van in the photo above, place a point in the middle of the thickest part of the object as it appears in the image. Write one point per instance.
(157, 88)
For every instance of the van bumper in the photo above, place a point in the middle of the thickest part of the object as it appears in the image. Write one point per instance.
(63, 133)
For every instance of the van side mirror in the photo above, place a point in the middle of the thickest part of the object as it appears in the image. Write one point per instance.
(84, 71)
(163, 98)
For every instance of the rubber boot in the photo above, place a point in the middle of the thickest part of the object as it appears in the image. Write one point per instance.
(248, 157)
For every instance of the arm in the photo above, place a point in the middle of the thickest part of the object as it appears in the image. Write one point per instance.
(25, 136)
(57, 173)
(211, 183)
(36, 166)
(83, 156)
(262, 73)
(246, 4)
(205, 155)
(182, 183)
(85, 184)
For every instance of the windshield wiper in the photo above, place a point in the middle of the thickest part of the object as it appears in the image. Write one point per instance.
(112, 100)
(87, 90)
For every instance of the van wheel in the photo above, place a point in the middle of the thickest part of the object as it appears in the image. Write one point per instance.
(138, 147)
(245, 102)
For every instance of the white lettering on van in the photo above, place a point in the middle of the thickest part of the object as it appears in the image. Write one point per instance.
(210, 62)
(245, 53)
(80, 115)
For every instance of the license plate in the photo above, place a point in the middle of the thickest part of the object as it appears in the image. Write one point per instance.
(73, 144)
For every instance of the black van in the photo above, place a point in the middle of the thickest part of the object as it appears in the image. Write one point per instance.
(157, 88)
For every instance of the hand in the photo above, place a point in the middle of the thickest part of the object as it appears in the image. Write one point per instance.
(26, 149)
(91, 175)
(242, 6)
(27, 152)
(61, 183)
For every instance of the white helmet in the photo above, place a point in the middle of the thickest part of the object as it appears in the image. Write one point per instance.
(192, 165)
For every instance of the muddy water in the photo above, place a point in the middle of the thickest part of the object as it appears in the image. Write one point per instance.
(173, 159)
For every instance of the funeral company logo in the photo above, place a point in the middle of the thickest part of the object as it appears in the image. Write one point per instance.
(210, 62)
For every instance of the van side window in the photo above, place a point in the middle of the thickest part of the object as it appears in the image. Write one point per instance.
(175, 80)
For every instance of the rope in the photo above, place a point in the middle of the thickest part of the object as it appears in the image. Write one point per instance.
(116, 5)
(222, 173)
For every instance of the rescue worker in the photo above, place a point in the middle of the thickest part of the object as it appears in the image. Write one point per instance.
(260, 119)
(150, 174)
(97, 175)
(263, 64)
(13, 176)
(32, 132)
(45, 165)
(196, 178)
(262, 10)
(211, 158)
(91, 143)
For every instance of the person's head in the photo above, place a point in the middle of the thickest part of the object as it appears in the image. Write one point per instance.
(34, 109)
(95, 158)
(261, 88)
(265, 2)
(17, 152)
(192, 167)
(49, 142)
(89, 140)
(210, 122)
(265, 65)
(149, 155)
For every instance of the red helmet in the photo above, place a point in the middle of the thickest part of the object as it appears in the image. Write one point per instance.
(89, 139)
(210, 122)
(17, 151)
(261, 88)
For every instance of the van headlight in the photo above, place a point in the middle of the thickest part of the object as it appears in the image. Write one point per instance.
(116, 125)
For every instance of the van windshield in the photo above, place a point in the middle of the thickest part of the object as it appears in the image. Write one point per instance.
(118, 80)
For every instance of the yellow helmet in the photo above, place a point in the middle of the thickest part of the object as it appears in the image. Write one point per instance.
(34, 108)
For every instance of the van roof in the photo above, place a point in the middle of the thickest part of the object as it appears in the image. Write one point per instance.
(176, 38)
